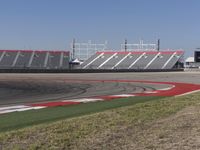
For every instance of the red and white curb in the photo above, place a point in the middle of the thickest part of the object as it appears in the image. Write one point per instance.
(175, 89)
(19, 108)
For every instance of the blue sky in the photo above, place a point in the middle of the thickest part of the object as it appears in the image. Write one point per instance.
(52, 24)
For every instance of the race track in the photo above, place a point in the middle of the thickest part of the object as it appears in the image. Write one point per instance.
(31, 88)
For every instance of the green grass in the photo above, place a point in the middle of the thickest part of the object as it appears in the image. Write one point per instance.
(78, 132)
(18, 120)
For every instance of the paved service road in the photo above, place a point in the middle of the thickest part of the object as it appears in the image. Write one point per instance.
(30, 88)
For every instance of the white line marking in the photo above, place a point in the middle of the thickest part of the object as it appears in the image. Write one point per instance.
(168, 60)
(39, 107)
(24, 109)
(123, 95)
(31, 59)
(151, 61)
(18, 108)
(30, 108)
(150, 92)
(13, 107)
(7, 111)
(15, 60)
(136, 60)
(187, 93)
(93, 60)
(2, 55)
(120, 61)
(107, 60)
(84, 100)
(61, 59)
(166, 89)
(46, 59)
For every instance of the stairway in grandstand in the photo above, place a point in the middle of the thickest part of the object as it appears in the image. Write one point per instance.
(29, 59)
(133, 60)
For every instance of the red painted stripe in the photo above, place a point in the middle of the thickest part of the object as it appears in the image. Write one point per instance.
(109, 97)
(37, 51)
(180, 88)
(140, 52)
(54, 104)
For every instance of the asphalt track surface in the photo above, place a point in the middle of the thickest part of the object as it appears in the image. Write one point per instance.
(32, 88)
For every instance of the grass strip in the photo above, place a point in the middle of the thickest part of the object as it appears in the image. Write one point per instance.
(18, 120)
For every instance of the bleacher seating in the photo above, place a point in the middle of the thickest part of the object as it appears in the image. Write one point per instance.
(29, 59)
(23, 59)
(8, 58)
(133, 60)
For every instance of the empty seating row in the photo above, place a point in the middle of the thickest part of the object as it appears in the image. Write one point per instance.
(28, 59)
(133, 60)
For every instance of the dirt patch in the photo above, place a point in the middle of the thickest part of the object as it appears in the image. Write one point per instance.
(179, 131)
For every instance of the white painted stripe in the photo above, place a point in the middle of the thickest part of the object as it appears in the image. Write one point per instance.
(61, 59)
(90, 100)
(168, 60)
(136, 60)
(7, 111)
(84, 100)
(31, 108)
(165, 89)
(46, 59)
(120, 61)
(151, 61)
(2, 55)
(15, 60)
(14, 110)
(19, 109)
(93, 60)
(13, 107)
(149, 92)
(187, 93)
(39, 107)
(31, 59)
(107, 60)
(24, 109)
(124, 95)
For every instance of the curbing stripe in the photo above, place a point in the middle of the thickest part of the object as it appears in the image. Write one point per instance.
(187, 93)
(85, 100)
(18, 109)
(12, 107)
(176, 89)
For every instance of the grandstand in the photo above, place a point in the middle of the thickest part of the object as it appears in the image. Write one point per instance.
(58, 61)
(133, 60)
(29, 59)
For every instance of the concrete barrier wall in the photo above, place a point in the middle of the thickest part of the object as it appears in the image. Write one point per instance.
(83, 70)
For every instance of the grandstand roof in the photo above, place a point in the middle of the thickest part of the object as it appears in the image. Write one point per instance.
(51, 51)
(140, 52)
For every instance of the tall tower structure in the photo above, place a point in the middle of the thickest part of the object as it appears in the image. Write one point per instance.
(73, 48)
(125, 45)
(158, 45)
